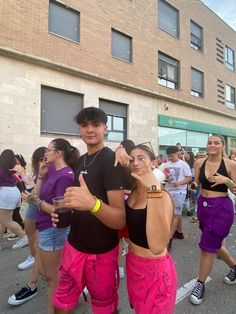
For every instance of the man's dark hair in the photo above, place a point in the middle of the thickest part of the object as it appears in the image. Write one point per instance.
(91, 114)
(171, 150)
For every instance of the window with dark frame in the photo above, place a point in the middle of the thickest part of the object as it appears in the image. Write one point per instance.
(230, 97)
(196, 36)
(168, 71)
(121, 46)
(64, 21)
(197, 83)
(58, 109)
(117, 119)
(229, 58)
(168, 18)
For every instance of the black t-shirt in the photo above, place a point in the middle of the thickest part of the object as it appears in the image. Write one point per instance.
(88, 234)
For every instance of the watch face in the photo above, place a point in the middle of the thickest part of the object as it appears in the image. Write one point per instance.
(154, 188)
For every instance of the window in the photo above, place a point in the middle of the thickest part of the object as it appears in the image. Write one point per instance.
(168, 71)
(168, 18)
(117, 119)
(121, 46)
(196, 36)
(64, 21)
(230, 97)
(197, 83)
(58, 109)
(229, 58)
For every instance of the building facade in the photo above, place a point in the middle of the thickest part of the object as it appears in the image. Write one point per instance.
(163, 71)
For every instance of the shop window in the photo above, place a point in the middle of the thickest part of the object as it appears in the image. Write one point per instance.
(230, 97)
(229, 58)
(121, 46)
(196, 36)
(64, 21)
(197, 83)
(168, 71)
(168, 18)
(58, 109)
(117, 119)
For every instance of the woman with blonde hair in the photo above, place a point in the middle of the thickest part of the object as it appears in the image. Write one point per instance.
(215, 212)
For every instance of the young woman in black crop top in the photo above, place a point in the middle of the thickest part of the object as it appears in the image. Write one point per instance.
(149, 212)
(215, 212)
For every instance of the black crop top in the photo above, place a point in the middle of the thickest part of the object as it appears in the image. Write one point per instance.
(136, 221)
(206, 185)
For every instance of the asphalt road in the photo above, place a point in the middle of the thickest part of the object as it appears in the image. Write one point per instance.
(220, 298)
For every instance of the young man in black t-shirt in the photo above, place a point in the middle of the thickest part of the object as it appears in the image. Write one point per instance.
(90, 256)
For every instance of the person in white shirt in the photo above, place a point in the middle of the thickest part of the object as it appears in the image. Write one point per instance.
(178, 175)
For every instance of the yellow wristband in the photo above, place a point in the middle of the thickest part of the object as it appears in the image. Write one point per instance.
(96, 207)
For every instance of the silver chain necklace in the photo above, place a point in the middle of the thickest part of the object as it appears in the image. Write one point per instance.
(89, 164)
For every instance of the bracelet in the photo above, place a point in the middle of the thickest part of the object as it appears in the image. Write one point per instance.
(154, 192)
(230, 184)
(97, 206)
(154, 195)
(154, 188)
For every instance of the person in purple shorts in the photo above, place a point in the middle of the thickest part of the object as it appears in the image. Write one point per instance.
(215, 212)
(56, 174)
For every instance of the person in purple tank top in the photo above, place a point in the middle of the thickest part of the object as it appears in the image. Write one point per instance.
(56, 174)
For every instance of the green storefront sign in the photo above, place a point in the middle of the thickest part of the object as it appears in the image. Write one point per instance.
(184, 124)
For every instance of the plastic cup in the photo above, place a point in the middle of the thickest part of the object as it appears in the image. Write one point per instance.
(29, 183)
(64, 214)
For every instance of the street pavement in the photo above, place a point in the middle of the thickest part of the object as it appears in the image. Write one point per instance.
(220, 298)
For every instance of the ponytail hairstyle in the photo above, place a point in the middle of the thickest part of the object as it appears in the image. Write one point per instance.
(70, 153)
(223, 143)
(37, 157)
(7, 161)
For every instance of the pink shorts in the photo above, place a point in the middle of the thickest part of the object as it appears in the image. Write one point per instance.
(151, 283)
(98, 272)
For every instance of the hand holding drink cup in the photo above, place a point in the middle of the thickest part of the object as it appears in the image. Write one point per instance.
(62, 219)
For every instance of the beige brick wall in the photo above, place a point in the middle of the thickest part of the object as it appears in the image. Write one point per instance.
(20, 106)
(24, 27)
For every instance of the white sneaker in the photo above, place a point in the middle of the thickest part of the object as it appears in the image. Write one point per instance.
(21, 243)
(29, 262)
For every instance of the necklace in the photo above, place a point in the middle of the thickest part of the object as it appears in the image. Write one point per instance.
(90, 163)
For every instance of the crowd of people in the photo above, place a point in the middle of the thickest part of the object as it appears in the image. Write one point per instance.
(77, 204)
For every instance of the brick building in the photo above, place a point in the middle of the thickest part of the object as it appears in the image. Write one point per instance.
(164, 71)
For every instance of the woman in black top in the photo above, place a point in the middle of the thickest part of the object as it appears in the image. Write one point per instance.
(151, 275)
(215, 212)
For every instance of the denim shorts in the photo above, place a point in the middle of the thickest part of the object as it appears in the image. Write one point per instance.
(10, 197)
(53, 239)
(31, 212)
